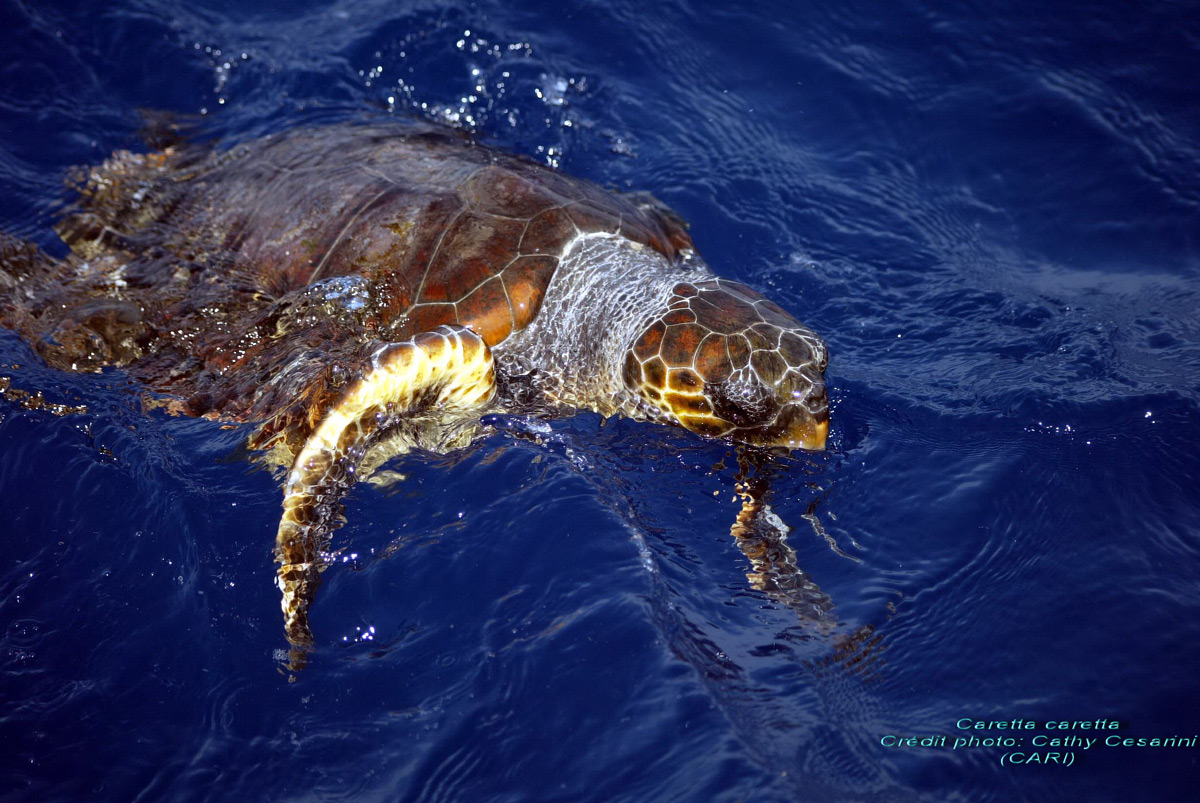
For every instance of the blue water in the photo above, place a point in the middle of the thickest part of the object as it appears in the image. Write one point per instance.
(990, 211)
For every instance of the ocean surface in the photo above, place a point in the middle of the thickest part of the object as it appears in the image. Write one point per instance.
(989, 210)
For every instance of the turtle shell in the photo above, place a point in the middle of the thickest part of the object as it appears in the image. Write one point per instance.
(248, 280)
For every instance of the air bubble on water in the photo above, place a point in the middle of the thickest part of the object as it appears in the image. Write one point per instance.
(645, 556)
(553, 90)
(487, 91)
(361, 634)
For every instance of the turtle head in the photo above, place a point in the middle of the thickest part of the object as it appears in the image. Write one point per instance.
(723, 361)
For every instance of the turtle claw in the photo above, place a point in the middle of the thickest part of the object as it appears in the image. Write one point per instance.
(448, 369)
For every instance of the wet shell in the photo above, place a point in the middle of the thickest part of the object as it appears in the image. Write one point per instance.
(244, 282)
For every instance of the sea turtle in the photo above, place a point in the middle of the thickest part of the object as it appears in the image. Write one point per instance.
(338, 283)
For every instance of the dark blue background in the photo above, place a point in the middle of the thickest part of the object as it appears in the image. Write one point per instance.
(989, 210)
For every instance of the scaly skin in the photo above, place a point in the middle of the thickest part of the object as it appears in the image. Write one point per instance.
(449, 369)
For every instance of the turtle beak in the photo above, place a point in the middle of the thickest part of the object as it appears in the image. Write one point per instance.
(798, 429)
(806, 434)
(800, 426)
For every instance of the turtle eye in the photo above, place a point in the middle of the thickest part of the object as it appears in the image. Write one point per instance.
(743, 402)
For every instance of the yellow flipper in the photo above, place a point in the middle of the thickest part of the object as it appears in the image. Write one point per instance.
(449, 369)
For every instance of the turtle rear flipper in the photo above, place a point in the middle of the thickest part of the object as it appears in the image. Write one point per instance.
(447, 369)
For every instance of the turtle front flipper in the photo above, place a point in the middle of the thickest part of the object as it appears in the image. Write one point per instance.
(446, 370)
(762, 537)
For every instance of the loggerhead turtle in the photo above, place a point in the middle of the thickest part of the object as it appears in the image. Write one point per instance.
(341, 283)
